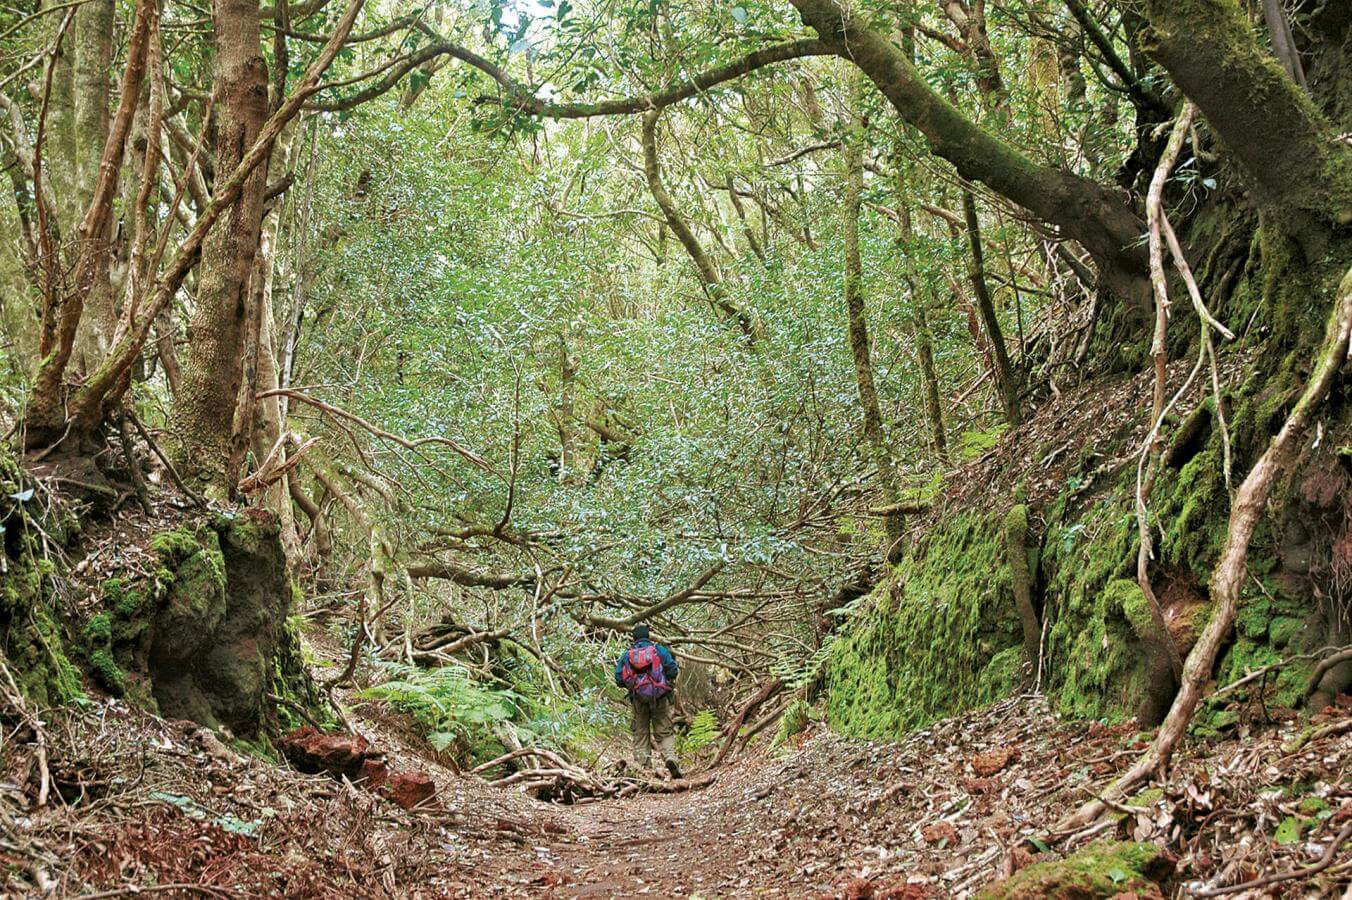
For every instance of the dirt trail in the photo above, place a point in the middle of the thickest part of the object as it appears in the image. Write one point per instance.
(941, 814)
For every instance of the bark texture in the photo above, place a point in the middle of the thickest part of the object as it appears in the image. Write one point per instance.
(204, 415)
(93, 51)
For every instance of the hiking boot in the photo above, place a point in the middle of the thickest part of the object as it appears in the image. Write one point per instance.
(674, 769)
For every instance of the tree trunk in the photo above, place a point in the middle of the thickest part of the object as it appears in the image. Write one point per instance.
(852, 155)
(271, 424)
(929, 379)
(93, 52)
(203, 416)
(1270, 125)
(704, 265)
(60, 143)
(1006, 380)
(45, 420)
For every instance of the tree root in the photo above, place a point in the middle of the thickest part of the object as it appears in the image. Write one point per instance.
(1248, 506)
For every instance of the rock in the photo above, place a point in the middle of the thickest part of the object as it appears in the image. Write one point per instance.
(980, 785)
(940, 833)
(374, 773)
(1098, 871)
(410, 789)
(312, 751)
(991, 762)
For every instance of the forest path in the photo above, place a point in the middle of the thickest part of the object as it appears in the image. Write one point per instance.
(149, 802)
(934, 815)
(942, 813)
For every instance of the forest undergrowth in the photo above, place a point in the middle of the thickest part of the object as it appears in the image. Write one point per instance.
(958, 393)
(145, 804)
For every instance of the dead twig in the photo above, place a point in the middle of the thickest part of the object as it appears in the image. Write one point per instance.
(1313, 869)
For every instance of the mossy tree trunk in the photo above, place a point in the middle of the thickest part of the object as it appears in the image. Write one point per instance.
(203, 416)
(1271, 126)
(1087, 211)
(852, 156)
(1016, 538)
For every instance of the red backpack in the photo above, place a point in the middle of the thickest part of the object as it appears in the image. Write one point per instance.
(643, 674)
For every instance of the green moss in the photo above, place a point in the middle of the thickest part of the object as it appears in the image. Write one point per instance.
(923, 647)
(54, 680)
(99, 629)
(1313, 806)
(32, 640)
(1128, 596)
(1144, 799)
(1002, 677)
(107, 671)
(176, 545)
(1193, 504)
(290, 680)
(1283, 629)
(1100, 870)
(1095, 655)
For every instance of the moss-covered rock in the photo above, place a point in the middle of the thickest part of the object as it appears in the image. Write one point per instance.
(1097, 664)
(1098, 871)
(925, 643)
(205, 636)
(32, 640)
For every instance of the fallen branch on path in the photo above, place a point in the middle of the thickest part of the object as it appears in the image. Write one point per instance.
(1314, 869)
(556, 779)
(768, 690)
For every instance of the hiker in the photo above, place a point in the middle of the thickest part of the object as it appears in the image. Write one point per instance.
(648, 671)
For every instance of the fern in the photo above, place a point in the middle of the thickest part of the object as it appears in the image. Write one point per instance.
(450, 704)
(702, 732)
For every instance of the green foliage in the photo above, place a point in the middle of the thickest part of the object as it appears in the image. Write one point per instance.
(458, 712)
(975, 443)
(702, 731)
(793, 722)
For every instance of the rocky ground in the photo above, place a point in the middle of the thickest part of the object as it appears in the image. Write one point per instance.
(139, 804)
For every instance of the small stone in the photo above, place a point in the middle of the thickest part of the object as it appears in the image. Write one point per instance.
(410, 789)
(940, 833)
(991, 762)
(374, 773)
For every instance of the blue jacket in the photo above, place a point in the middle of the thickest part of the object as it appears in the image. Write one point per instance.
(669, 667)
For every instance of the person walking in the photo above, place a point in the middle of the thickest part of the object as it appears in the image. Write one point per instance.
(648, 672)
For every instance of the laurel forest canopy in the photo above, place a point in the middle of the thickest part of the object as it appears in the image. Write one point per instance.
(888, 358)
